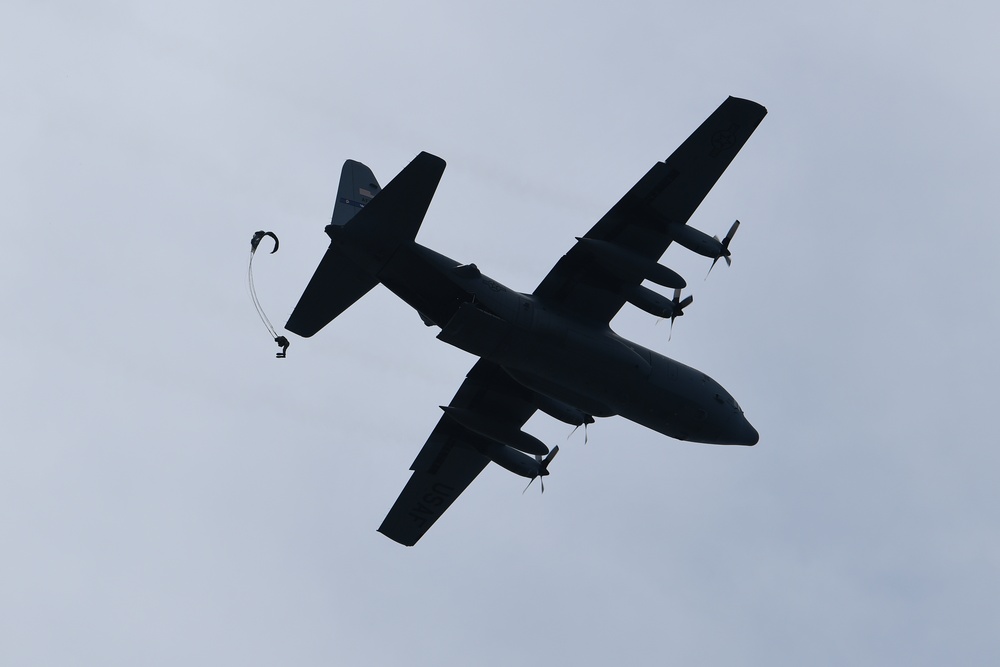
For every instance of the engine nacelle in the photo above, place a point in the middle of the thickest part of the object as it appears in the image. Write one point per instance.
(649, 301)
(628, 265)
(513, 460)
(562, 411)
(498, 432)
(695, 240)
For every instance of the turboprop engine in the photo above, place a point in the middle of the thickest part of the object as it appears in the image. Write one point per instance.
(496, 431)
(703, 244)
(561, 411)
(518, 463)
(657, 304)
(627, 264)
(506, 444)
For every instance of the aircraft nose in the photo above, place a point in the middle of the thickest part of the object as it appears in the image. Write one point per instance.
(748, 434)
(739, 431)
(734, 429)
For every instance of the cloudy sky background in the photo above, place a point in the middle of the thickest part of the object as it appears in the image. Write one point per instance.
(171, 494)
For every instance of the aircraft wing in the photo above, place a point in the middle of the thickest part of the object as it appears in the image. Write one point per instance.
(453, 455)
(669, 193)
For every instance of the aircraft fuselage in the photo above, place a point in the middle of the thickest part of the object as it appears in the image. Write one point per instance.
(584, 366)
(552, 350)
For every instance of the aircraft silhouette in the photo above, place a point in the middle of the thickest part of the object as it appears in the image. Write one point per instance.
(552, 350)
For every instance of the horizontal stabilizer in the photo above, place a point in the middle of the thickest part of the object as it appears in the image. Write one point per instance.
(395, 215)
(337, 283)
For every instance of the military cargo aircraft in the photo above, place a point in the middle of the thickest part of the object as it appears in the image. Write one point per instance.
(553, 349)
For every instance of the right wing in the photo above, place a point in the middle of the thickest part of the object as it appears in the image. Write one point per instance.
(453, 455)
(579, 284)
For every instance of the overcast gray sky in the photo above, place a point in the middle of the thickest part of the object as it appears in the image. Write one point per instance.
(171, 494)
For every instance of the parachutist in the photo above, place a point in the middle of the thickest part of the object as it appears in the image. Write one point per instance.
(254, 242)
(283, 342)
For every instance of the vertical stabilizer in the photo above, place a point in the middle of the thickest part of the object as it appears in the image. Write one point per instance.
(357, 187)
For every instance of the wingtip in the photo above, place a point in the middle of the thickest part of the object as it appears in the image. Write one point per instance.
(430, 158)
(749, 103)
(396, 539)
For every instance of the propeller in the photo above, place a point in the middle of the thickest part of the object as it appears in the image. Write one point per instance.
(587, 419)
(543, 468)
(584, 430)
(724, 253)
(678, 308)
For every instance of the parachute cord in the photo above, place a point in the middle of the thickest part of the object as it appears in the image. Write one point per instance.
(280, 340)
(256, 301)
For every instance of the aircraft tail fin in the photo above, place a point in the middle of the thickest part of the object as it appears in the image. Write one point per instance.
(357, 188)
(368, 226)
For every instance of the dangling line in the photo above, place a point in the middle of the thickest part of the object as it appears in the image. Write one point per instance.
(280, 340)
(256, 301)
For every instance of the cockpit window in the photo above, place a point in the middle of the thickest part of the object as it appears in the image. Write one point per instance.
(728, 400)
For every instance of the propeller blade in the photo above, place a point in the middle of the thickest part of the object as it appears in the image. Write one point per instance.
(678, 309)
(730, 234)
(713, 266)
(551, 455)
(725, 254)
(543, 468)
(584, 424)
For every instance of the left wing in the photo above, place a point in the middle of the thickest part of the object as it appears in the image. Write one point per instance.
(635, 230)
(453, 455)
